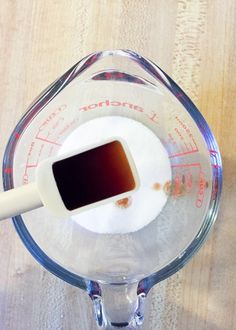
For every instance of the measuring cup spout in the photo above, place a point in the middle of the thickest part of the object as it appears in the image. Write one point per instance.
(119, 306)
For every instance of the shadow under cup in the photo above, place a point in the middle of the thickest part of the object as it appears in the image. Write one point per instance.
(119, 87)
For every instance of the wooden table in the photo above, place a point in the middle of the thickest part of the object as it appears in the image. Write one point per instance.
(195, 43)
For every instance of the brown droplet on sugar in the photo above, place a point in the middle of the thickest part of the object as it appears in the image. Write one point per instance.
(167, 187)
(206, 184)
(156, 186)
(124, 203)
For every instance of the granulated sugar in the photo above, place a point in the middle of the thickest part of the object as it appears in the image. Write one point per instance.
(153, 166)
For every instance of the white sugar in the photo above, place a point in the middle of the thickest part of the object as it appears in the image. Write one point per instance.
(153, 168)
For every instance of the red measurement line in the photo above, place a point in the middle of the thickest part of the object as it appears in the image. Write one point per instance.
(8, 170)
(29, 166)
(49, 141)
(179, 95)
(17, 135)
(183, 153)
(187, 165)
(215, 165)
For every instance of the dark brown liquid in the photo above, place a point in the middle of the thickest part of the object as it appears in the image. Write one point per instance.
(93, 175)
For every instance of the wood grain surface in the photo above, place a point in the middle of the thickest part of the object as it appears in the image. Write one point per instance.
(194, 41)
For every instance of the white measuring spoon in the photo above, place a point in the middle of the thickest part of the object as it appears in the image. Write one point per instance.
(76, 181)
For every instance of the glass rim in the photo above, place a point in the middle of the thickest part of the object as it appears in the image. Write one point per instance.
(45, 97)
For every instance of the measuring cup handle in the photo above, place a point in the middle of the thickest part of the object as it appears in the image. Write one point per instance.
(19, 200)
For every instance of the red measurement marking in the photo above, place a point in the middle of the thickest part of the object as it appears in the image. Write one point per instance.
(58, 123)
(67, 127)
(179, 95)
(183, 153)
(48, 141)
(178, 133)
(215, 186)
(215, 165)
(170, 137)
(201, 190)
(186, 129)
(108, 75)
(187, 165)
(189, 181)
(51, 117)
(25, 178)
(97, 78)
(36, 164)
(213, 151)
(8, 170)
(153, 117)
(177, 185)
(17, 135)
(119, 75)
(191, 147)
(31, 165)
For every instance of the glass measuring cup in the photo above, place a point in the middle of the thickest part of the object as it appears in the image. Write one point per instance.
(156, 231)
